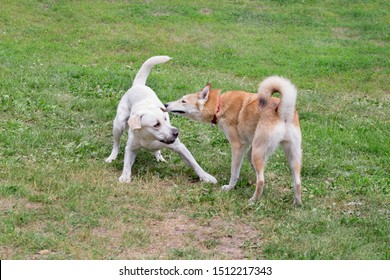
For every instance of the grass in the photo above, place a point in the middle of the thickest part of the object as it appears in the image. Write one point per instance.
(64, 66)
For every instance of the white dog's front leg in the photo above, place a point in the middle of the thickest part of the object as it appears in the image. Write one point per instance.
(158, 156)
(130, 156)
(187, 157)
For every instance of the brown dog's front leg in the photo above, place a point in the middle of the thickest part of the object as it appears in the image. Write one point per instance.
(238, 151)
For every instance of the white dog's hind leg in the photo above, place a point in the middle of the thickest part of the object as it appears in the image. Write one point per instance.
(158, 156)
(128, 162)
(119, 126)
(115, 149)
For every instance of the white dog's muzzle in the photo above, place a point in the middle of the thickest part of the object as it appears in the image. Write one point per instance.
(172, 138)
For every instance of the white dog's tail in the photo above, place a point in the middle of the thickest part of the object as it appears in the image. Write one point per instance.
(287, 91)
(143, 73)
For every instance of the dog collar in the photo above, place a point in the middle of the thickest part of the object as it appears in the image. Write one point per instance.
(215, 119)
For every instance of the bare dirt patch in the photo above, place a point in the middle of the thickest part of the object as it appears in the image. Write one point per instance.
(217, 239)
(6, 252)
(206, 11)
(344, 33)
(11, 203)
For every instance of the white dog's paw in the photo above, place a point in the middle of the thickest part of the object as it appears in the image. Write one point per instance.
(207, 178)
(159, 157)
(227, 187)
(125, 178)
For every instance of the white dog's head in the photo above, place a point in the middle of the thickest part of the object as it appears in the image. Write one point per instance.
(153, 125)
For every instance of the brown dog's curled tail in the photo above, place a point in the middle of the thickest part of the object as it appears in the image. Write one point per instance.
(287, 91)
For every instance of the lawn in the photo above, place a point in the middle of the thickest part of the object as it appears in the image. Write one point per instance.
(64, 66)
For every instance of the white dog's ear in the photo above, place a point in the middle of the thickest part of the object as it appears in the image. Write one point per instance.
(204, 93)
(135, 122)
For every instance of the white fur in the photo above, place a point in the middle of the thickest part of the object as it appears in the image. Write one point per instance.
(150, 128)
(288, 91)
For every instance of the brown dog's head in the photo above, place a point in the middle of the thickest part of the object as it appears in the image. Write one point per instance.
(200, 106)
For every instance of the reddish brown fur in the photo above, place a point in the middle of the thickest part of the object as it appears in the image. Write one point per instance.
(242, 107)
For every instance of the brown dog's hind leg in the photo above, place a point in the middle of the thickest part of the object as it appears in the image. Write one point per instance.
(249, 157)
(260, 154)
(259, 167)
(293, 153)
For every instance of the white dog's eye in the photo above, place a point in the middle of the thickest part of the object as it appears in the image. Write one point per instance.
(157, 125)
(183, 101)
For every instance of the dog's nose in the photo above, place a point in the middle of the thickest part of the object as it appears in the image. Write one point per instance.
(166, 105)
(175, 132)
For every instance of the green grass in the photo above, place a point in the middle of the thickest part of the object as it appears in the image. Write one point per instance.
(64, 66)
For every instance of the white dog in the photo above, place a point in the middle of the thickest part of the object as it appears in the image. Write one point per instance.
(142, 111)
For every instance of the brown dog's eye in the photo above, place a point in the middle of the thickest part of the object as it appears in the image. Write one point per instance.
(183, 101)
(157, 125)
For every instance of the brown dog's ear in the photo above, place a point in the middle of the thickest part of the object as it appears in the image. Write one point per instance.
(204, 93)
(164, 109)
(134, 122)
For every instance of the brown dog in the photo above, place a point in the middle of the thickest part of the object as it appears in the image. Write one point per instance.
(258, 121)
